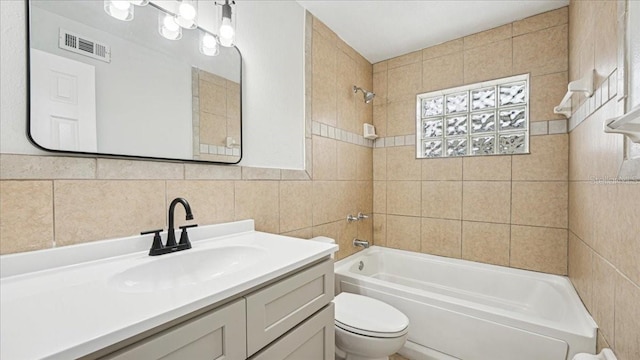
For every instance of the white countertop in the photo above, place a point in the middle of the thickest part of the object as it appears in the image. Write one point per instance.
(63, 310)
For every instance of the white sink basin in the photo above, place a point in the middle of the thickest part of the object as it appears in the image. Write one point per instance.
(187, 267)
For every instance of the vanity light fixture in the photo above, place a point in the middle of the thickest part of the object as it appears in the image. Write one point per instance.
(168, 27)
(119, 9)
(227, 33)
(208, 44)
(187, 16)
(170, 24)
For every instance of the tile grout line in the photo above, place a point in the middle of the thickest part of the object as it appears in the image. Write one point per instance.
(166, 193)
(53, 212)
(568, 199)
(511, 209)
(461, 207)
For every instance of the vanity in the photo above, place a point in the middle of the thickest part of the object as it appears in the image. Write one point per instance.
(237, 294)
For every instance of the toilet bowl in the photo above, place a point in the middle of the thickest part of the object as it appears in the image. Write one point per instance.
(367, 328)
(605, 354)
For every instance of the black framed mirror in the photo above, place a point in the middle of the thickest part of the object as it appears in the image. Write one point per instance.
(102, 86)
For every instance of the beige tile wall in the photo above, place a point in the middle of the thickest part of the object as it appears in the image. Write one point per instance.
(604, 214)
(51, 201)
(506, 210)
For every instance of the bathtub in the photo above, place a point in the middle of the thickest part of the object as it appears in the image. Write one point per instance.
(466, 310)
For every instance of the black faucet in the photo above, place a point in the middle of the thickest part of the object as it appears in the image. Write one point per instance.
(157, 248)
(171, 237)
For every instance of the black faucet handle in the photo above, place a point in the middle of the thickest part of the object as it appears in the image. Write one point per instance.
(151, 232)
(157, 241)
(184, 237)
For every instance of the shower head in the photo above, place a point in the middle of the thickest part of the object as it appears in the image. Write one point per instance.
(368, 95)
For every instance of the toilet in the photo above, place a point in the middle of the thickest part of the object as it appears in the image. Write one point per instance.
(366, 328)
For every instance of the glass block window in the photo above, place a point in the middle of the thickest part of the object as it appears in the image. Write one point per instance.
(489, 118)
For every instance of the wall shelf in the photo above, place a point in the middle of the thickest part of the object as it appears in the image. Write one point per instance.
(627, 124)
(585, 85)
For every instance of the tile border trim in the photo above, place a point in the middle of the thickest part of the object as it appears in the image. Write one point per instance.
(332, 132)
(601, 95)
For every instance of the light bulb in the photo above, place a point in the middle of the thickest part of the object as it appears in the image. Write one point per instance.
(187, 14)
(168, 28)
(121, 4)
(209, 45)
(209, 41)
(170, 23)
(187, 11)
(119, 9)
(227, 33)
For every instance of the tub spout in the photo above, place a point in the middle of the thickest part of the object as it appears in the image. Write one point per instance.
(362, 243)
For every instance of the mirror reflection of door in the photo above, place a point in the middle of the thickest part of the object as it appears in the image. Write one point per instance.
(63, 103)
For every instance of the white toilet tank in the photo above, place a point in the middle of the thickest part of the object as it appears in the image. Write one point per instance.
(325, 239)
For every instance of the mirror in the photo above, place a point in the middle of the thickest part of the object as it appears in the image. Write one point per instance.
(100, 85)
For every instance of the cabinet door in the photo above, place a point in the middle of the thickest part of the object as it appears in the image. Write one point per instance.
(216, 335)
(274, 310)
(311, 340)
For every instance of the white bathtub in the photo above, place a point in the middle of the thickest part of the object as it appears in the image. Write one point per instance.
(466, 310)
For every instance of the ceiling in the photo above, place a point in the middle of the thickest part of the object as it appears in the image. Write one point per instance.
(381, 30)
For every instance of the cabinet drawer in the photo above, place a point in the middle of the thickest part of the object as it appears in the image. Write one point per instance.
(314, 339)
(220, 334)
(274, 310)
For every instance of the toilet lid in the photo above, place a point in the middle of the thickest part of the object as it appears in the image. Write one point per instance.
(369, 316)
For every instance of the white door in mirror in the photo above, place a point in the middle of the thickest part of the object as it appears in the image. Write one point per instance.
(63, 103)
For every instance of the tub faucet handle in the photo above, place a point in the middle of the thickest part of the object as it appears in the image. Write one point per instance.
(361, 243)
(362, 216)
(351, 218)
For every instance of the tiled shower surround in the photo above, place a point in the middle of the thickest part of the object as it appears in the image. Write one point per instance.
(508, 210)
(525, 211)
(604, 210)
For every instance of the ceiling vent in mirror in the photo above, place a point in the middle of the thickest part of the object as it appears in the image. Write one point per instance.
(81, 45)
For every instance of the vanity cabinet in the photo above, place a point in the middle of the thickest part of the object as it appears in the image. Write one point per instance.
(277, 308)
(314, 339)
(292, 318)
(217, 335)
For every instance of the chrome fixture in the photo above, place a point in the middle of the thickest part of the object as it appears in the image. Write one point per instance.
(361, 243)
(360, 216)
(368, 95)
(157, 248)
